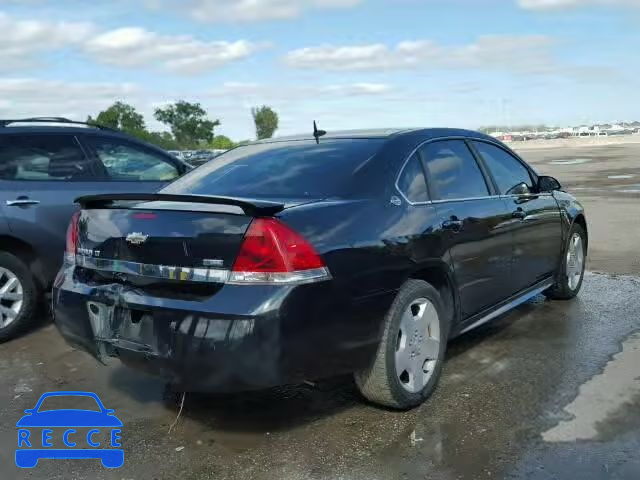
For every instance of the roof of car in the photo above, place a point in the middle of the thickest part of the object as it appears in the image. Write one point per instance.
(37, 128)
(426, 133)
(44, 128)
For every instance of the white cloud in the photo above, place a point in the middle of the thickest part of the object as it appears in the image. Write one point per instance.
(560, 4)
(247, 10)
(525, 54)
(231, 102)
(24, 97)
(24, 42)
(183, 54)
(285, 93)
(23, 39)
(357, 89)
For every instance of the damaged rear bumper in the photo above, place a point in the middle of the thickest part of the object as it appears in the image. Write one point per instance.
(239, 338)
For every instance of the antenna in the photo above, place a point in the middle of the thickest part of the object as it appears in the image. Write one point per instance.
(318, 133)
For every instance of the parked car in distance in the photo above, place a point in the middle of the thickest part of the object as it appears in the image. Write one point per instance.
(46, 163)
(301, 258)
(200, 157)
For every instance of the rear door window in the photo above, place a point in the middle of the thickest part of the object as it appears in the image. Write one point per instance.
(411, 182)
(507, 170)
(452, 171)
(43, 157)
(287, 169)
(124, 161)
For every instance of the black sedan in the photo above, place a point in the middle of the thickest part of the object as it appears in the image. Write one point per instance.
(300, 258)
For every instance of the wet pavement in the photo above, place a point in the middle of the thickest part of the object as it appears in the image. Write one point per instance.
(611, 170)
(607, 185)
(551, 390)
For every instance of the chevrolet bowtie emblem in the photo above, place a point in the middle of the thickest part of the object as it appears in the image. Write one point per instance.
(137, 238)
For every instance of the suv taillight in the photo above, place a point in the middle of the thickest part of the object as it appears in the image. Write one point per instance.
(273, 253)
(72, 239)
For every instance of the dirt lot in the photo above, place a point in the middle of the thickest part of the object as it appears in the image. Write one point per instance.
(548, 391)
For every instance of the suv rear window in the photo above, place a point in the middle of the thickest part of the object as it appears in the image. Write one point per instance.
(281, 169)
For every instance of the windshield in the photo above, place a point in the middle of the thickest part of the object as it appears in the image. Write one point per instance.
(281, 169)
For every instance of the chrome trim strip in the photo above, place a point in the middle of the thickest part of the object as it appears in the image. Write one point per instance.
(199, 274)
(447, 200)
(428, 202)
(166, 272)
(431, 140)
(484, 140)
(509, 306)
(280, 278)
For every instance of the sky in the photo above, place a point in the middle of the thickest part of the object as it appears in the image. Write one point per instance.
(345, 63)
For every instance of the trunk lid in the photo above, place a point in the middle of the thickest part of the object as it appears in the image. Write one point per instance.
(142, 237)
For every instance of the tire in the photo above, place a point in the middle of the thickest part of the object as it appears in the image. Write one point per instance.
(13, 270)
(567, 287)
(384, 383)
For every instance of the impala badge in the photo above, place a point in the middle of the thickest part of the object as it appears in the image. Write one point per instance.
(137, 238)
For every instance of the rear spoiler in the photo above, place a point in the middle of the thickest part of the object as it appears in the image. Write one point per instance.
(255, 208)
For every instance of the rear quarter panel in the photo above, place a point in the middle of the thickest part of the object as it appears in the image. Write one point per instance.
(371, 248)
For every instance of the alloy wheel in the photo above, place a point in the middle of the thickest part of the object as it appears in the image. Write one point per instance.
(575, 261)
(417, 345)
(11, 297)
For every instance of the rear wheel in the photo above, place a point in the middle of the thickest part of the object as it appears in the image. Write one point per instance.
(409, 360)
(571, 275)
(18, 296)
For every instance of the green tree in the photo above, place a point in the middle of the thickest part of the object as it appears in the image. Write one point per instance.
(124, 117)
(266, 121)
(220, 142)
(121, 116)
(160, 139)
(188, 123)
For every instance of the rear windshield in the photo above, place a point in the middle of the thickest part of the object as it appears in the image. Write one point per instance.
(281, 169)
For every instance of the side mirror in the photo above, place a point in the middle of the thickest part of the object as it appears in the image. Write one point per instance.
(548, 184)
(519, 189)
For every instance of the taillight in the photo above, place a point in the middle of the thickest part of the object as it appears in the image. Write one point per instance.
(271, 252)
(72, 238)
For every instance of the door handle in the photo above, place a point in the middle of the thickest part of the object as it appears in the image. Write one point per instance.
(21, 202)
(452, 224)
(519, 214)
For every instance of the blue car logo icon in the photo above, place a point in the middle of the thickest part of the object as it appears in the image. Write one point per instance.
(37, 430)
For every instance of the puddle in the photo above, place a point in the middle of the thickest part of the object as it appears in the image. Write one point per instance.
(619, 177)
(574, 161)
(602, 397)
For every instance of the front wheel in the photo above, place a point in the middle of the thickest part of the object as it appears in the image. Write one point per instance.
(571, 274)
(410, 356)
